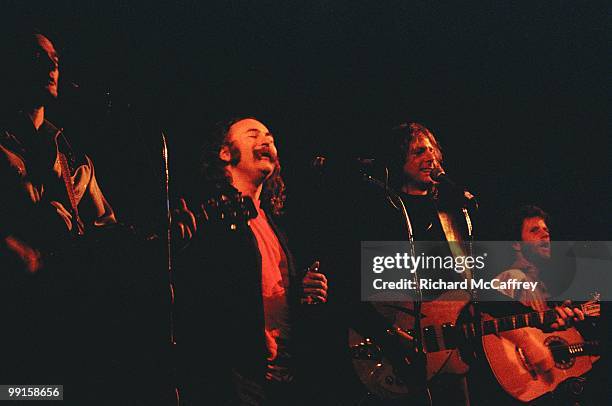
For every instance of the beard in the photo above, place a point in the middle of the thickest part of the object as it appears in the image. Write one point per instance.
(535, 256)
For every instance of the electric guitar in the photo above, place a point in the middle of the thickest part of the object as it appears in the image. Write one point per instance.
(516, 373)
(440, 342)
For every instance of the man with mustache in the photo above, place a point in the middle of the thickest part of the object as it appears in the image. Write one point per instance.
(420, 154)
(412, 153)
(238, 293)
(435, 215)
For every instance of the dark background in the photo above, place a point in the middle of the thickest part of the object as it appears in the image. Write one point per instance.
(516, 93)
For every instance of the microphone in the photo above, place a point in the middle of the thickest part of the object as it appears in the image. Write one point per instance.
(439, 175)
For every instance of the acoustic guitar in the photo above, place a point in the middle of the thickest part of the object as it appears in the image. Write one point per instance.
(443, 336)
(516, 373)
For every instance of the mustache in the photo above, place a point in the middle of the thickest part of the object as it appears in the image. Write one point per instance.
(265, 152)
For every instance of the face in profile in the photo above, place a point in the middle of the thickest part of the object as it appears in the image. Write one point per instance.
(251, 151)
(40, 70)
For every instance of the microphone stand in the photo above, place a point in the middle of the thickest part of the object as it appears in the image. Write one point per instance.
(419, 360)
(168, 225)
(169, 265)
(476, 313)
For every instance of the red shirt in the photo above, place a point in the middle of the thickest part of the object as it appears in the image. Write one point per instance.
(275, 286)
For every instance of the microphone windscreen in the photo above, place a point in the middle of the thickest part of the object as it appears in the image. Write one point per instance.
(436, 173)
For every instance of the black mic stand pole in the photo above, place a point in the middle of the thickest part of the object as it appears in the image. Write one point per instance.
(419, 359)
(168, 226)
(476, 310)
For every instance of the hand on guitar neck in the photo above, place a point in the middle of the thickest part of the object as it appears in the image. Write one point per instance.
(225, 208)
(567, 314)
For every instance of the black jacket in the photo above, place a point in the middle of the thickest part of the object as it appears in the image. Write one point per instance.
(219, 310)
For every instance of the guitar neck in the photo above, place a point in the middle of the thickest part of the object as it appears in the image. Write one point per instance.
(516, 321)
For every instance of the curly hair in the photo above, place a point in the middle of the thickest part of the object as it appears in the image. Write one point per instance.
(214, 169)
(518, 217)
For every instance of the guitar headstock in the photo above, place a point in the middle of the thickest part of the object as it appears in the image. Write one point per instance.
(228, 208)
(592, 308)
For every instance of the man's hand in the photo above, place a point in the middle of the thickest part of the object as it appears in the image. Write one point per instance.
(536, 353)
(314, 286)
(63, 213)
(28, 258)
(184, 221)
(566, 313)
(539, 356)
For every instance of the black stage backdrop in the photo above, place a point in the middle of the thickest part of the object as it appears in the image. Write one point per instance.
(516, 93)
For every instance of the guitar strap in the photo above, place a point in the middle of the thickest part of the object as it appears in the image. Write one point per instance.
(454, 239)
(79, 229)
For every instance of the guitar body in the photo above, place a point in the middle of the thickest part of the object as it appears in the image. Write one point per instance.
(376, 372)
(512, 370)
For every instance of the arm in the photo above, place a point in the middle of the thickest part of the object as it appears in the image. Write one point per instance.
(103, 213)
(29, 224)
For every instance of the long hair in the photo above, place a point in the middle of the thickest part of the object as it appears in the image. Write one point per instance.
(214, 169)
(403, 137)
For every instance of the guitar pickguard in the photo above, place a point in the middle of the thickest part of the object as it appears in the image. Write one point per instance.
(376, 372)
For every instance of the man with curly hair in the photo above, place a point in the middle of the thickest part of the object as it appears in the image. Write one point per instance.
(246, 272)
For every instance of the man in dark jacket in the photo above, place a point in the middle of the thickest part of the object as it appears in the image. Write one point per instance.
(238, 293)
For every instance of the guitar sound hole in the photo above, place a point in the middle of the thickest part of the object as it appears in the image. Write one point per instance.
(558, 346)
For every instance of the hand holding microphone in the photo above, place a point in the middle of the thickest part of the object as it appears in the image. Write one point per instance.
(314, 286)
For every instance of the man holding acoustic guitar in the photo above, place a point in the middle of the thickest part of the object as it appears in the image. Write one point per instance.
(438, 212)
(532, 361)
